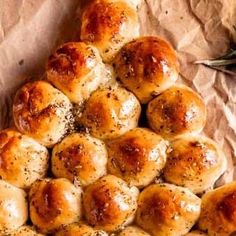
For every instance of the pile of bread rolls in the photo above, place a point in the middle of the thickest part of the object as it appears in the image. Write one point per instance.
(80, 163)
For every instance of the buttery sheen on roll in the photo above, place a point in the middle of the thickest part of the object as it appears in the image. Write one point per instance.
(42, 112)
(110, 112)
(138, 156)
(147, 66)
(194, 162)
(54, 203)
(177, 111)
(23, 160)
(218, 211)
(165, 209)
(109, 24)
(80, 158)
(77, 70)
(109, 203)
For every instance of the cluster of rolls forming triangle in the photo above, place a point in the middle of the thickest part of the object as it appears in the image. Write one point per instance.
(109, 143)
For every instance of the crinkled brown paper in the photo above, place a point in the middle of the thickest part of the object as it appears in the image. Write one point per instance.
(198, 29)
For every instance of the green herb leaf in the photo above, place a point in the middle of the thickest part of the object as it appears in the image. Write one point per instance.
(222, 63)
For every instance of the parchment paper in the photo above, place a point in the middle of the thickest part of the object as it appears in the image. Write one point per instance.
(197, 29)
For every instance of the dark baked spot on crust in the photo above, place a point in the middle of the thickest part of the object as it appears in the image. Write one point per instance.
(95, 114)
(227, 206)
(158, 209)
(102, 15)
(101, 207)
(66, 59)
(132, 157)
(8, 143)
(147, 59)
(72, 157)
(190, 160)
(33, 104)
(50, 207)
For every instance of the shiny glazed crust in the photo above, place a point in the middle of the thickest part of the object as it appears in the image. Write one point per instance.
(194, 162)
(42, 112)
(22, 159)
(80, 158)
(109, 203)
(108, 25)
(147, 66)
(77, 70)
(54, 203)
(138, 156)
(177, 111)
(165, 209)
(219, 210)
(13, 207)
(111, 112)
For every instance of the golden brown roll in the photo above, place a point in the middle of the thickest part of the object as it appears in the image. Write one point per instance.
(177, 111)
(133, 231)
(111, 112)
(165, 209)
(80, 229)
(42, 112)
(138, 156)
(77, 70)
(79, 158)
(54, 203)
(109, 204)
(22, 160)
(147, 66)
(13, 207)
(219, 210)
(196, 233)
(195, 162)
(25, 231)
(108, 25)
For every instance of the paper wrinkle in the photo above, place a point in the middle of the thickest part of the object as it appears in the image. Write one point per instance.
(198, 29)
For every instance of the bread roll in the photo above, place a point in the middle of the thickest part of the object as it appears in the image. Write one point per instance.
(196, 233)
(147, 66)
(25, 231)
(165, 209)
(80, 229)
(42, 112)
(177, 111)
(111, 112)
(219, 210)
(22, 159)
(138, 156)
(54, 203)
(77, 70)
(80, 158)
(133, 231)
(108, 25)
(13, 207)
(109, 203)
(195, 162)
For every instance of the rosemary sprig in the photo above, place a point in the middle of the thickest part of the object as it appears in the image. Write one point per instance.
(225, 63)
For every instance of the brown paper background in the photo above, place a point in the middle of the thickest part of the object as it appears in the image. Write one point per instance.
(198, 29)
